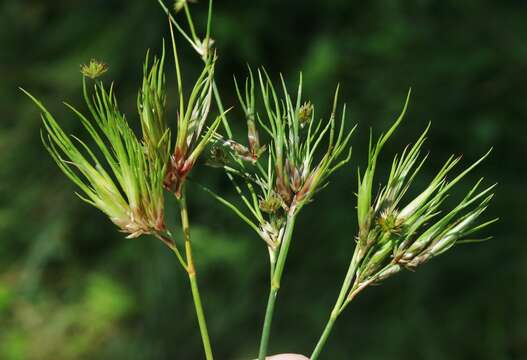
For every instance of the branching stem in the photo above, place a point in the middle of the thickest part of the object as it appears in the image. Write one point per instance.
(171, 244)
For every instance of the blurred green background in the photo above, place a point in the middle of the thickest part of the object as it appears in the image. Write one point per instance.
(71, 286)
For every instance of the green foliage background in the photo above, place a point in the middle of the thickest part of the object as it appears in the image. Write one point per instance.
(71, 286)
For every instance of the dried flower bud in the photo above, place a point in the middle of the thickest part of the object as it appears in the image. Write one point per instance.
(255, 148)
(283, 190)
(177, 171)
(305, 113)
(192, 135)
(239, 150)
(251, 154)
(94, 69)
(271, 234)
(295, 177)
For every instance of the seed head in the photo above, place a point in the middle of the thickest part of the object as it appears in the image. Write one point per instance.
(388, 221)
(270, 204)
(94, 69)
(305, 113)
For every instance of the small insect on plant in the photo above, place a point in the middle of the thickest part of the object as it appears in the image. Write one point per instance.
(284, 163)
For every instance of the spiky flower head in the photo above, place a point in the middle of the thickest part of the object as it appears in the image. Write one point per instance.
(298, 175)
(271, 204)
(395, 233)
(127, 185)
(388, 221)
(94, 69)
(192, 133)
(280, 183)
(305, 113)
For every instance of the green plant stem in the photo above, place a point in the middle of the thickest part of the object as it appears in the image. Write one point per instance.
(323, 338)
(221, 109)
(275, 285)
(338, 306)
(214, 86)
(169, 242)
(191, 270)
(266, 331)
(190, 23)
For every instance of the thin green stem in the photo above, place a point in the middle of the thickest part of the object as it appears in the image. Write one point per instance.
(275, 285)
(323, 338)
(201, 316)
(337, 309)
(214, 86)
(209, 22)
(178, 27)
(191, 270)
(221, 109)
(266, 331)
(178, 72)
(284, 249)
(171, 244)
(190, 23)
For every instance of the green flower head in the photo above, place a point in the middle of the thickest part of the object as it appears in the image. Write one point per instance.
(94, 69)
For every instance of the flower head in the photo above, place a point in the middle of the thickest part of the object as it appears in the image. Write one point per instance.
(129, 189)
(394, 233)
(282, 180)
(94, 69)
(192, 134)
(305, 113)
(270, 204)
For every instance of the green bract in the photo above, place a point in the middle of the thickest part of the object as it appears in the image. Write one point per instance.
(151, 105)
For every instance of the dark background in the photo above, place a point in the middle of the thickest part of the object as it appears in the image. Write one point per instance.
(71, 286)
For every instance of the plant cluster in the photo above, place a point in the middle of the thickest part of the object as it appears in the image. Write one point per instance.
(288, 156)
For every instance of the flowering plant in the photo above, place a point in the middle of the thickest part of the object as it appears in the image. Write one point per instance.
(285, 162)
